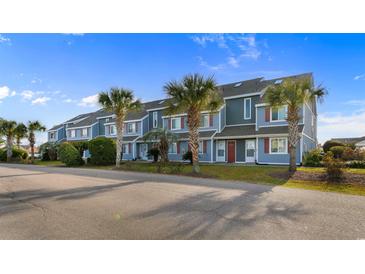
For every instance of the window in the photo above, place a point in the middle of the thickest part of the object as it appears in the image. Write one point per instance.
(279, 113)
(201, 147)
(173, 148)
(84, 132)
(176, 123)
(72, 133)
(204, 120)
(112, 130)
(155, 119)
(52, 135)
(278, 145)
(125, 148)
(131, 127)
(107, 120)
(247, 109)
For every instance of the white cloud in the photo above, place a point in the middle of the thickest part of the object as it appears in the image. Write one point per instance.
(69, 101)
(360, 77)
(40, 100)
(6, 92)
(4, 40)
(237, 47)
(205, 64)
(89, 101)
(331, 125)
(27, 94)
(356, 102)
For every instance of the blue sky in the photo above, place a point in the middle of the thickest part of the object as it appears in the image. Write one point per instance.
(52, 77)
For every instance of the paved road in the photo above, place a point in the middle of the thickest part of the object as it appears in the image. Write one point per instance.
(61, 203)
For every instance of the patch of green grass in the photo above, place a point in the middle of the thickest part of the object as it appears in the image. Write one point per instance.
(322, 170)
(327, 187)
(48, 163)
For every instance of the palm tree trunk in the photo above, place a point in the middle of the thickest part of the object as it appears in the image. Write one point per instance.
(119, 144)
(9, 152)
(293, 121)
(193, 123)
(32, 152)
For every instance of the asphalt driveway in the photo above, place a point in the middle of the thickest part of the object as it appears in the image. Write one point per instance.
(64, 203)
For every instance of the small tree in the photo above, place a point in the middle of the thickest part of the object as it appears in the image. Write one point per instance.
(7, 128)
(33, 127)
(120, 101)
(20, 133)
(164, 138)
(293, 93)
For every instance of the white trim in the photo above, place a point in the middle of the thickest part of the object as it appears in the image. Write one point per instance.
(254, 157)
(78, 127)
(275, 121)
(256, 120)
(154, 109)
(257, 148)
(179, 123)
(75, 121)
(235, 152)
(272, 163)
(301, 149)
(262, 105)
(308, 137)
(245, 110)
(240, 125)
(153, 119)
(173, 153)
(279, 153)
(251, 136)
(280, 125)
(219, 120)
(216, 148)
(242, 95)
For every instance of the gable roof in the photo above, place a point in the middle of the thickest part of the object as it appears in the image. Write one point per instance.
(349, 141)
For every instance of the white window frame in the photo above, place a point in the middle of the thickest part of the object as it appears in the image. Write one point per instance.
(247, 115)
(171, 146)
(220, 158)
(155, 119)
(133, 128)
(74, 133)
(82, 132)
(110, 130)
(201, 148)
(202, 125)
(283, 120)
(54, 135)
(278, 138)
(178, 124)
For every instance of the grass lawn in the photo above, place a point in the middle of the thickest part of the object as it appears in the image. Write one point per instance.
(269, 175)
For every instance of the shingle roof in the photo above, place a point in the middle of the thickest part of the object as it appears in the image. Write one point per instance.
(250, 130)
(56, 127)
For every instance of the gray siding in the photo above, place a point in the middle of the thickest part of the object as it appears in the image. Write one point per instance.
(95, 130)
(235, 111)
(308, 128)
(78, 134)
(223, 117)
(308, 144)
(240, 151)
(145, 125)
(159, 119)
(185, 129)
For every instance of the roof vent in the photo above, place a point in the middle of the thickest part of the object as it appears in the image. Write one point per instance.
(238, 85)
(278, 81)
(161, 102)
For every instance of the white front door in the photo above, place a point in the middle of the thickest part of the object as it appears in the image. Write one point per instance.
(221, 151)
(143, 151)
(250, 151)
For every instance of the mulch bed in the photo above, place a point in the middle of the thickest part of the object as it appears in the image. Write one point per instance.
(348, 178)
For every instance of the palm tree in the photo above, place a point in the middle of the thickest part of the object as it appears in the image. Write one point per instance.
(293, 94)
(20, 133)
(193, 94)
(34, 126)
(7, 128)
(164, 138)
(120, 101)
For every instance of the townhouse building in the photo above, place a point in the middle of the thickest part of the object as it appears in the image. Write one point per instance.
(244, 130)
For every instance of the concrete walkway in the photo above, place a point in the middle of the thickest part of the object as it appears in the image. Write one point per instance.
(66, 203)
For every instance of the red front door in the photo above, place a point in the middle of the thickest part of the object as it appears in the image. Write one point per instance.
(231, 151)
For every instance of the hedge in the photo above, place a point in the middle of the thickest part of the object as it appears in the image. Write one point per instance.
(102, 151)
(69, 155)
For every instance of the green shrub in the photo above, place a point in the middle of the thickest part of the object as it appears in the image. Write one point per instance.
(188, 156)
(355, 164)
(154, 152)
(348, 154)
(313, 158)
(337, 151)
(334, 167)
(69, 155)
(49, 151)
(327, 145)
(81, 146)
(102, 151)
(18, 154)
